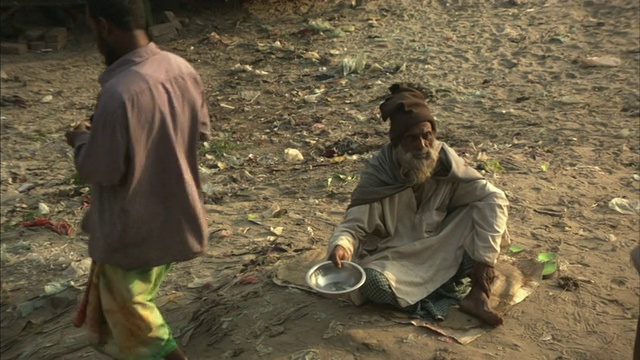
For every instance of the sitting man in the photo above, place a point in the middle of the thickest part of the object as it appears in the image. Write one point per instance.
(420, 221)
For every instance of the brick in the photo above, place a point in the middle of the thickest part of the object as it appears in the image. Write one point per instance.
(13, 48)
(177, 25)
(33, 35)
(162, 29)
(57, 46)
(37, 45)
(164, 38)
(168, 16)
(56, 35)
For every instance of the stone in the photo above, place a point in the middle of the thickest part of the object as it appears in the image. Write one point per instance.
(168, 16)
(37, 45)
(13, 48)
(33, 35)
(177, 25)
(56, 35)
(163, 32)
(57, 46)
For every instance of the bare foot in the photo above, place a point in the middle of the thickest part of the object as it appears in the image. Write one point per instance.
(476, 303)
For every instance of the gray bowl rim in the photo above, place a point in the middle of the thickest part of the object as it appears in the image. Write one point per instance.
(354, 288)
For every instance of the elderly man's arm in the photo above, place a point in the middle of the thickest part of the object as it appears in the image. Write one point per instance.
(359, 221)
(488, 213)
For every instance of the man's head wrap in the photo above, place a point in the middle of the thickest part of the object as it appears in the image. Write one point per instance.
(405, 108)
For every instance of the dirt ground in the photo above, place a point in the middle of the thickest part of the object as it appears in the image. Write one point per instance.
(511, 92)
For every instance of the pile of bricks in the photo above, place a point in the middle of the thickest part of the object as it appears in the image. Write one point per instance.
(167, 30)
(53, 39)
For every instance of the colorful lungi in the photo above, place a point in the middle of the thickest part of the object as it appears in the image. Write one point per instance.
(120, 315)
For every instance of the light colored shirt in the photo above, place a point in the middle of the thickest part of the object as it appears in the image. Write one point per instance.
(419, 245)
(140, 159)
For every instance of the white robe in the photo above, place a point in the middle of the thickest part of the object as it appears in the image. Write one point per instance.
(419, 248)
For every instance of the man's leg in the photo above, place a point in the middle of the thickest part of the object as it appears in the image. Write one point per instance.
(129, 324)
(477, 301)
(377, 289)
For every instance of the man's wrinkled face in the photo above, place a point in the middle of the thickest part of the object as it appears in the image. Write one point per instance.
(416, 155)
(100, 27)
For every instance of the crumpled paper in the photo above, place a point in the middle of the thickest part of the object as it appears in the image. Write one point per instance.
(625, 206)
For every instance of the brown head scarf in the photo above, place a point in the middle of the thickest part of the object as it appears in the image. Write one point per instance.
(405, 107)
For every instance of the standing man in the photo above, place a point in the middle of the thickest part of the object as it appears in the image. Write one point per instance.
(420, 221)
(140, 157)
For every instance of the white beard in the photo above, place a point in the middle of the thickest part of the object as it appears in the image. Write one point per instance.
(416, 169)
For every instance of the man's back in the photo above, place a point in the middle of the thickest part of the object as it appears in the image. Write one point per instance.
(147, 209)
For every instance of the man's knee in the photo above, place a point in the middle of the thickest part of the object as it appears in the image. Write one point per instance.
(377, 289)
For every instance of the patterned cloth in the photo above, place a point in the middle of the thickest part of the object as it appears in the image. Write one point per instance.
(121, 318)
(435, 306)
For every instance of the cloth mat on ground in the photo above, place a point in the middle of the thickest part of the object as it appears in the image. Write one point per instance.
(516, 278)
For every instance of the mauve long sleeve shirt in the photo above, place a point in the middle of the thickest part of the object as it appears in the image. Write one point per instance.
(140, 159)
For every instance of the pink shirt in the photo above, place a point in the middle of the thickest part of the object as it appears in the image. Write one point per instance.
(141, 161)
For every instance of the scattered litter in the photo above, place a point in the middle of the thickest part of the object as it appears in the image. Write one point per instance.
(53, 288)
(221, 233)
(324, 27)
(277, 230)
(550, 261)
(47, 99)
(516, 249)
(198, 283)
(77, 268)
(345, 179)
(63, 228)
(607, 237)
(263, 350)
(569, 100)
(446, 339)
(551, 212)
(312, 55)
(636, 177)
(43, 209)
(25, 187)
(603, 61)
(335, 329)
(14, 100)
(246, 279)
(307, 354)
(293, 156)
(351, 65)
(27, 307)
(546, 337)
(410, 339)
(624, 206)
(248, 68)
(568, 283)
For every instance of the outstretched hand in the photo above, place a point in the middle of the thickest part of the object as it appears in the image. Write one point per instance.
(338, 255)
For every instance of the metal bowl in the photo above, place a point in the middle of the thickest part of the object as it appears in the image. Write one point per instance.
(329, 280)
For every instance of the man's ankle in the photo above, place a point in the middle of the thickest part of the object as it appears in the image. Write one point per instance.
(176, 354)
